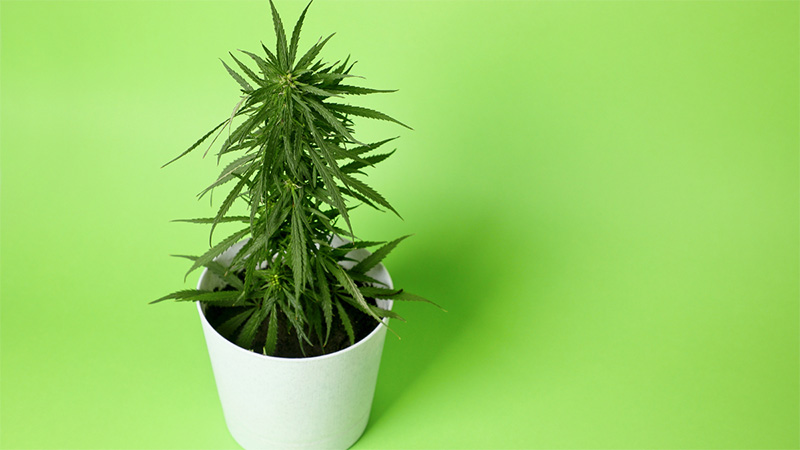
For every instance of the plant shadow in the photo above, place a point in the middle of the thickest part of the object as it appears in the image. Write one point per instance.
(451, 271)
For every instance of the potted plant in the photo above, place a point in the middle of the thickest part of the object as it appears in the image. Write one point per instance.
(294, 307)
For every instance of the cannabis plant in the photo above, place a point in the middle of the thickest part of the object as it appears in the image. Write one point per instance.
(295, 167)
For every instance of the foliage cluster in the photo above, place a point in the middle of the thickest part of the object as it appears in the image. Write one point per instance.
(296, 165)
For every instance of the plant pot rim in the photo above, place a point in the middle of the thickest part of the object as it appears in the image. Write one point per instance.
(282, 360)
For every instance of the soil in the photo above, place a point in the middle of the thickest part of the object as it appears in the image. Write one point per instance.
(288, 346)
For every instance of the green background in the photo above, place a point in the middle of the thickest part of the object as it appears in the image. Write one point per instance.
(604, 195)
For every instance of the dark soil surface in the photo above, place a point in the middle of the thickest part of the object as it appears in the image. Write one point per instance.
(288, 345)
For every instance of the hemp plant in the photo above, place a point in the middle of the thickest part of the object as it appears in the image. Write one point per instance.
(296, 167)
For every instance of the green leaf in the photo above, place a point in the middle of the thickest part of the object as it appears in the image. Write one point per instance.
(355, 151)
(267, 68)
(372, 260)
(316, 91)
(217, 298)
(282, 50)
(348, 285)
(241, 132)
(250, 266)
(331, 80)
(229, 172)
(342, 66)
(368, 161)
(295, 317)
(368, 192)
(272, 332)
(298, 246)
(244, 84)
(365, 278)
(221, 271)
(212, 219)
(245, 338)
(363, 112)
(359, 244)
(247, 70)
(330, 184)
(386, 313)
(331, 119)
(296, 35)
(348, 327)
(218, 249)
(394, 294)
(325, 300)
(357, 90)
(329, 170)
(270, 55)
(311, 54)
(229, 327)
(196, 144)
(228, 202)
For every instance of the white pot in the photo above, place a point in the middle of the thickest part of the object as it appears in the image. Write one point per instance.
(321, 402)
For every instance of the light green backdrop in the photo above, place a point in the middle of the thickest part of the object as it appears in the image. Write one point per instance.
(604, 195)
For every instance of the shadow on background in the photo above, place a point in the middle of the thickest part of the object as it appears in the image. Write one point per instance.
(457, 268)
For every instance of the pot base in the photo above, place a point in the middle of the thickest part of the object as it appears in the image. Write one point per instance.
(251, 439)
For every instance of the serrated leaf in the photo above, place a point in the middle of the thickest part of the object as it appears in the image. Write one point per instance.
(363, 278)
(332, 168)
(266, 68)
(341, 67)
(394, 294)
(229, 327)
(364, 112)
(272, 332)
(377, 256)
(348, 327)
(247, 71)
(228, 173)
(218, 249)
(217, 298)
(314, 320)
(245, 338)
(219, 270)
(331, 80)
(298, 247)
(355, 151)
(331, 119)
(241, 132)
(380, 312)
(244, 84)
(367, 161)
(316, 91)
(196, 144)
(211, 219)
(368, 192)
(330, 184)
(347, 283)
(249, 268)
(277, 216)
(359, 244)
(296, 35)
(270, 55)
(228, 202)
(280, 33)
(311, 54)
(325, 300)
(358, 90)
(293, 315)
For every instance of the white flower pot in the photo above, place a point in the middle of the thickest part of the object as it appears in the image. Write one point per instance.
(321, 402)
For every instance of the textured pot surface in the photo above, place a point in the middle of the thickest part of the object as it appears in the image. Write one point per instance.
(321, 402)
